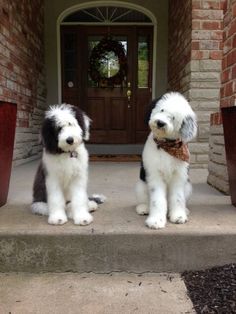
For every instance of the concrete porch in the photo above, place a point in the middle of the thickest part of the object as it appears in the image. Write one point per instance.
(118, 239)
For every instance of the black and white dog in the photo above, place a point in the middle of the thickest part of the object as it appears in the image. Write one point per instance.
(164, 186)
(63, 172)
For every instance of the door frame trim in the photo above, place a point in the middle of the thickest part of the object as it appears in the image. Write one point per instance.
(106, 3)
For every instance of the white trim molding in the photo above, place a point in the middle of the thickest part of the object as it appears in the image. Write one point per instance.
(91, 4)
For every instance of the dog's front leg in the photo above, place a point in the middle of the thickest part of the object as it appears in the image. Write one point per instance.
(177, 203)
(79, 204)
(157, 205)
(56, 202)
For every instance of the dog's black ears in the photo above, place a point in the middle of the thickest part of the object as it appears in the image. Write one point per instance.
(49, 135)
(87, 122)
(151, 106)
(188, 129)
(83, 121)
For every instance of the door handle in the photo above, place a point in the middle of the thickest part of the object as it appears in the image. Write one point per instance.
(129, 93)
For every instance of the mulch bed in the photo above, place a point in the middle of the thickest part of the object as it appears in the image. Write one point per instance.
(116, 158)
(212, 290)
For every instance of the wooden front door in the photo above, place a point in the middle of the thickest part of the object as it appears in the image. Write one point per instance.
(117, 112)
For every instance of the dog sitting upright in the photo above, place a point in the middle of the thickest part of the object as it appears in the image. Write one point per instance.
(63, 172)
(164, 185)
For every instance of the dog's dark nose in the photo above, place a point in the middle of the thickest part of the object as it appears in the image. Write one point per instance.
(70, 140)
(160, 124)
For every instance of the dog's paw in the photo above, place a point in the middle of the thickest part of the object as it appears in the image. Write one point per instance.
(156, 222)
(39, 208)
(92, 206)
(57, 219)
(178, 216)
(83, 219)
(142, 209)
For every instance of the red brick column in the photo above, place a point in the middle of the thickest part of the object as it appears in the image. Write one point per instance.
(218, 174)
(207, 26)
(206, 56)
(228, 89)
(179, 44)
(22, 70)
(195, 58)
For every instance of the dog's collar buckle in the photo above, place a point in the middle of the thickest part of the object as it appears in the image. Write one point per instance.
(73, 154)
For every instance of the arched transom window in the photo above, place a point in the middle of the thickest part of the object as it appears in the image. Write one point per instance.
(107, 14)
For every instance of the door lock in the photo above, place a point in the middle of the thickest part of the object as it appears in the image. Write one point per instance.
(129, 94)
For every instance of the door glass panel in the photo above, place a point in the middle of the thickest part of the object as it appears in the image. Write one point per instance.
(109, 62)
(70, 60)
(143, 62)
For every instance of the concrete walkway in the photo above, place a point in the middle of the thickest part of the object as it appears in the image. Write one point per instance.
(93, 294)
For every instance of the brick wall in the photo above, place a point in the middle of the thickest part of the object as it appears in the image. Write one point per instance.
(199, 77)
(179, 44)
(22, 71)
(228, 89)
(218, 175)
(206, 59)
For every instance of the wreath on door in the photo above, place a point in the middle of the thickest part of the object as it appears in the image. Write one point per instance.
(99, 56)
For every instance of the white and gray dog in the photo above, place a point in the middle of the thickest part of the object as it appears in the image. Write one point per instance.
(60, 186)
(164, 185)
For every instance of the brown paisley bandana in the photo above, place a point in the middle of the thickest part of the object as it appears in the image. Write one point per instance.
(175, 148)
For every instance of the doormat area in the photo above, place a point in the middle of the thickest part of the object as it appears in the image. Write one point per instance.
(115, 158)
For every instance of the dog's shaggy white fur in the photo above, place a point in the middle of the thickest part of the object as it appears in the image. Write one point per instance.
(60, 186)
(164, 185)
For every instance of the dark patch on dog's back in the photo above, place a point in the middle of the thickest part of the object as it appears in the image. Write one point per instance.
(39, 187)
(142, 173)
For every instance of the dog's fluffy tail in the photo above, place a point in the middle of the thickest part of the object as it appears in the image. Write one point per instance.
(98, 198)
(39, 208)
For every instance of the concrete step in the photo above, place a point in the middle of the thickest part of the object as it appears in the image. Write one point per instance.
(93, 294)
(118, 239)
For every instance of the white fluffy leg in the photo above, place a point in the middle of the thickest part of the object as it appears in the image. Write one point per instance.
(79, 203)
(57, 218)
(158, 205)
(92, 207)
(188, 190)
(141, 192)
(56, 202)
(83, 218)
(178, 212)
(179, 215)
(39, 208)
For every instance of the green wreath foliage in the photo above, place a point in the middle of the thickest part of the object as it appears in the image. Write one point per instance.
(98, 52)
